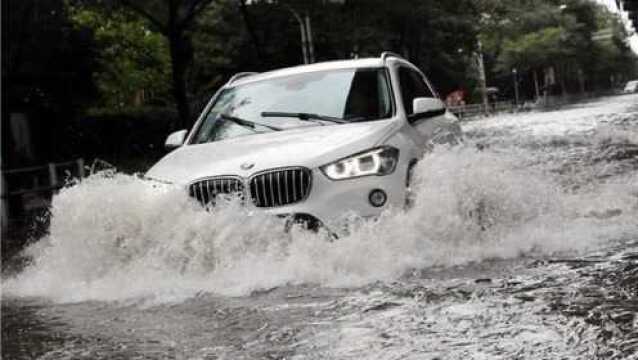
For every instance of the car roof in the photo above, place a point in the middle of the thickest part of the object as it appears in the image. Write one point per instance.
(322, 66)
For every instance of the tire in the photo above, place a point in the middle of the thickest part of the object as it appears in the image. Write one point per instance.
(409, 195)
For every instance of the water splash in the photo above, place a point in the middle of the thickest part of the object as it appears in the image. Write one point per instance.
(116, 237)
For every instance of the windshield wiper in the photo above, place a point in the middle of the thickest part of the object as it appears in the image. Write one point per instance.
(247, 123)
(303, 116)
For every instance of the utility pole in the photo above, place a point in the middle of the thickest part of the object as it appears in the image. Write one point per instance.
(307, 45)
(302, 31)
(482, 77)
(311, 45)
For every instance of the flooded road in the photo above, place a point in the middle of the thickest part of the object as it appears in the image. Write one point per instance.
(522, 244)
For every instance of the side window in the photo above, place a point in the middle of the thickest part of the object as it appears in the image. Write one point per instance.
(412, 86)
(368, 97)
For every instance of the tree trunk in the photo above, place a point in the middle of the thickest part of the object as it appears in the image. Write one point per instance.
(536, 86)
(251, 32)
(581, 80)
(563, 75)
(179, 63)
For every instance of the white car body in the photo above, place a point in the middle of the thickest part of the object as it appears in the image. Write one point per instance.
(255, 163)
(631, 87)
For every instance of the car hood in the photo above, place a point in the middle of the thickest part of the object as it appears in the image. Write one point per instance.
(309, 146)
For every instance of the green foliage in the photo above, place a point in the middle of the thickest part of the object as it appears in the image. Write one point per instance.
(134, 60)
(535, 35)
(536, 49)
(46, 63)
(46, 73)
(131, 139)
(616, 61)
(221, 47)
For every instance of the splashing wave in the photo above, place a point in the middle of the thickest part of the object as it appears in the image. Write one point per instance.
(116, 237)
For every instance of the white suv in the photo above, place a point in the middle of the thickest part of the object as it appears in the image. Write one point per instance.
(312, 142)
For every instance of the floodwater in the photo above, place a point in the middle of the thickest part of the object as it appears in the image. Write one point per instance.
(522, 244)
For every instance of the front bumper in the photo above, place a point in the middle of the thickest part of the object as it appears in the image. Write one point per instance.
(331, 202)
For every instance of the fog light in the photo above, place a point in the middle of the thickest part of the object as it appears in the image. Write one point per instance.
(377, 198)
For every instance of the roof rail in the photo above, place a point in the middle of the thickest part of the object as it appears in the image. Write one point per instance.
(239, 76)
(386, 54)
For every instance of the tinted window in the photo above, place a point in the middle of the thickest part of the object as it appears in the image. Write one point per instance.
(412, 86)
(368, 97)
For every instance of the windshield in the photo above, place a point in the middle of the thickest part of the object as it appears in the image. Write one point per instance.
(308, 99)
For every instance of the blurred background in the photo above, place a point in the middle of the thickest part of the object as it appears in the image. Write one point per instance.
(92, 82)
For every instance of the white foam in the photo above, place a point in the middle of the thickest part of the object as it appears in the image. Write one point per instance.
(117, 238)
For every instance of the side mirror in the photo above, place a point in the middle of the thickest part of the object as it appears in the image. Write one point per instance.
(175, 139)
(428, 106)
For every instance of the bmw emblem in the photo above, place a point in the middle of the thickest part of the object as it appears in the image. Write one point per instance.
(247, 166)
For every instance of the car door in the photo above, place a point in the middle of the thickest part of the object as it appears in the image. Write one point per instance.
(435, 127)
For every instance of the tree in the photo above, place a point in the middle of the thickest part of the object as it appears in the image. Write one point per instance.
(134, 61)
(46, 73)
(541, 48)
(536, 35)
(249, 23)
(175, 20)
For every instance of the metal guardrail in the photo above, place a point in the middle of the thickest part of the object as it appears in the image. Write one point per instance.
(32, 172)
(472, 110)
(546, 102)
(34, 182)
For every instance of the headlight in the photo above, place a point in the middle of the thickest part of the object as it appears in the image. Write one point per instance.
(379, 161)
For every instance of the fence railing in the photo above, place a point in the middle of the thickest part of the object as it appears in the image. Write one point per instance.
(472, 110)
(546, 102)
(36, 181)
(42, 178)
